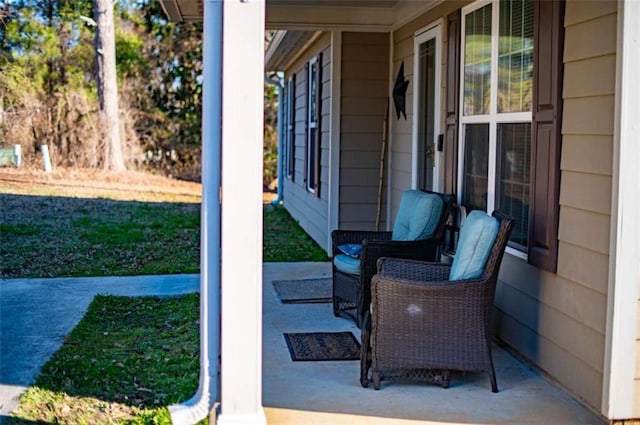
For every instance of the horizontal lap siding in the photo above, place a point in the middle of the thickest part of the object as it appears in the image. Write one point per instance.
(305, 207)
(365, 76)
(558, 320)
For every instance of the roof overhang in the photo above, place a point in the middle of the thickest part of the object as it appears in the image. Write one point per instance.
(318, 15)
(285, 47)
(183, 10)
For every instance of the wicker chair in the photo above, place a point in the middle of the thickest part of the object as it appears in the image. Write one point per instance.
(422, 325)
(351, 292)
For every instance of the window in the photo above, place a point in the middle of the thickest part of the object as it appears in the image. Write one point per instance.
(290, 127)
(312, 142)
(496, 97)
(506, 163)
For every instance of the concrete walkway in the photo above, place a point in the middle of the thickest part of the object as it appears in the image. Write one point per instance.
(37, 314)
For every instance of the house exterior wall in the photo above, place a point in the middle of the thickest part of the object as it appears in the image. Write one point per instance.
(556, 320)
(308, 209)
(364, 89)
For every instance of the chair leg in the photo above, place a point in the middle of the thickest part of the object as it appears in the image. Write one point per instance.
(492, 372)
(492, 378)
(375, 376)
(445, 378)
(365, 352)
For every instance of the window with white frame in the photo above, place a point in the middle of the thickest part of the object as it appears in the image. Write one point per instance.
(289, 127)
(496, 103)
(312, 146)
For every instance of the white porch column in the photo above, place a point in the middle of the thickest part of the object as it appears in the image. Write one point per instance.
(619, 398)
(334, 144)
(242, 135)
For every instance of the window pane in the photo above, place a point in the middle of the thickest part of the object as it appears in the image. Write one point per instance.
(515, 60)
(477, 61)
(311, 159)
(514, 155)
(313, 92)
(289, 126)
(476, 166)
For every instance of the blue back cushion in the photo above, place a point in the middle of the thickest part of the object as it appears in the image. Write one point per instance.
(418, 216)
(474, 246)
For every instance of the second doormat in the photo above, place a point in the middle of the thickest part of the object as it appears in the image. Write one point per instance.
(303, 290)
(319, 346)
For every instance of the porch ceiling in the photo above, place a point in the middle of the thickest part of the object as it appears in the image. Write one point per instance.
(311, 15)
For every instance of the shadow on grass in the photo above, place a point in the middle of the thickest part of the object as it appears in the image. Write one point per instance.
(52, 236)
(47, 236)
(13, 420)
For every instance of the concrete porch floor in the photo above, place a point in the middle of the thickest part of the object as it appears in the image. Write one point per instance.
(330, 392)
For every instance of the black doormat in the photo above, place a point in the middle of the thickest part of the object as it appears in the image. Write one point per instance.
(304, 290)
(318, 346)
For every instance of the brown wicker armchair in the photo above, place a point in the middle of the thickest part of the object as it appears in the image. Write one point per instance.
(421, 325)
(351, 292)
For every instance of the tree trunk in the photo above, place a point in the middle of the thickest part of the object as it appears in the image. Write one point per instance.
(109, 120)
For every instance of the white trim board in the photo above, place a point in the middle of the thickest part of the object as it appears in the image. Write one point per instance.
(389, 153)
(618, 396)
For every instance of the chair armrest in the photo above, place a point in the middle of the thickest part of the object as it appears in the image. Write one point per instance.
(372, 250)
(340, 237)
(425, 250)
(413, 270)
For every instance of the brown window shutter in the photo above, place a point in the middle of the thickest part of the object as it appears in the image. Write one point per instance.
(306, 125)
(546, 136)
(452, 102)
(292, 131)
(318, 132)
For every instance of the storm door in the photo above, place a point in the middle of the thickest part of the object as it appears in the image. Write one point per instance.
(427, 150)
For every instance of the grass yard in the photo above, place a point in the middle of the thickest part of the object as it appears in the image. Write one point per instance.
(285, 241)
(112, 229)
(62, 236)
(126, 360)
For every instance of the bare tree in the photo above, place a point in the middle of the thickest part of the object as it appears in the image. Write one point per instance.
(105, 45)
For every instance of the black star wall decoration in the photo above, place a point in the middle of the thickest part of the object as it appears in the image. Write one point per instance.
(400, 93)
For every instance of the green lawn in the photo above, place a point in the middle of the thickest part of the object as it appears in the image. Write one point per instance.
(48, 236)
(285, 241)
(127, 360)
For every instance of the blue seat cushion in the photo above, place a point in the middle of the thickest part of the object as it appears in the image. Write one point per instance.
(346, 264)
(418, 216)
(351, 249)
(477, 237)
